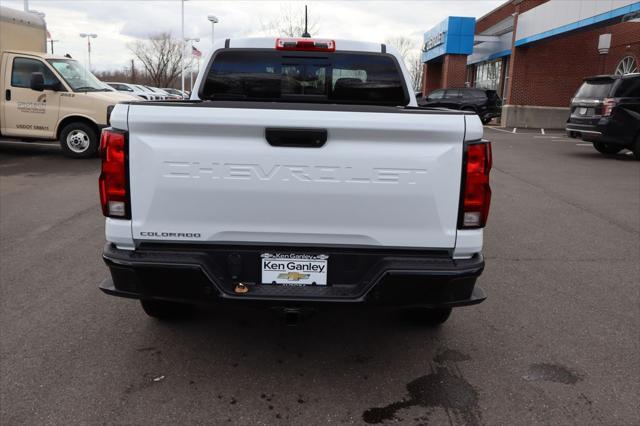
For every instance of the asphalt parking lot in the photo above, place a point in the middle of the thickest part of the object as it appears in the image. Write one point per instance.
(556, 342)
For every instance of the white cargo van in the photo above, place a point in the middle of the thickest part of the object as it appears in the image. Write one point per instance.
(45, 96)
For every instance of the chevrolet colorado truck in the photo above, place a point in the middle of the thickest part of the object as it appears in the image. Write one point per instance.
(300, 172)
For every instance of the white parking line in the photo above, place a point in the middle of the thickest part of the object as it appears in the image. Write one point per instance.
(584, 144)
(498, 130)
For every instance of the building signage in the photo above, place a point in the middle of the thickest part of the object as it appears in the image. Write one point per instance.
(453, 36)
(434, 41)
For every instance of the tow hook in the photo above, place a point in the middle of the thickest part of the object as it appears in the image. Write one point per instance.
(241, 288)
(291, 316)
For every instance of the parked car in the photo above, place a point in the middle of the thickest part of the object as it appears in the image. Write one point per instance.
(151, 95)
(606, 111)
(132, 89)
(160, 94)
(321, 183)
(484, 102)
(175, 92)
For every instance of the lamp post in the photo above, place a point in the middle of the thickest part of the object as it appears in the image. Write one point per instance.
(214, 20)
(89, 36)
(190, 41)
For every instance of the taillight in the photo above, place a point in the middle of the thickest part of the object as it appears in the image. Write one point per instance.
(607, 106)
(113, 181)
(306, 44)
(476, 192)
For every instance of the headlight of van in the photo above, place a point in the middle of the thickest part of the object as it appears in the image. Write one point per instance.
(109, 110)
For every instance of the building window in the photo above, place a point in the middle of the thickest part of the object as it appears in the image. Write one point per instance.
(627, 65)
(488, 74)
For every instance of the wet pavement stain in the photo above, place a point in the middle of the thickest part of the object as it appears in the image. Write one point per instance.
(552, 373)
(439, 389)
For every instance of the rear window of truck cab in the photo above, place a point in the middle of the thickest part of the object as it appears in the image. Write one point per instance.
(335, 77)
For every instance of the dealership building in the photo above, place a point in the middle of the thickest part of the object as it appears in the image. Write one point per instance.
(534, 53)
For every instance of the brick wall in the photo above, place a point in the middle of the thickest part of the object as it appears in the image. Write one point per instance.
(548, 72)
(454, 70)
(431, 77)
(450, 72)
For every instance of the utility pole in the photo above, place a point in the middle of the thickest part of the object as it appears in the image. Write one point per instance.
(51, 41)
(133, 71)
(26, 5)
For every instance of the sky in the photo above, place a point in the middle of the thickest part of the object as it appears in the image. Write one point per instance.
(118, 23)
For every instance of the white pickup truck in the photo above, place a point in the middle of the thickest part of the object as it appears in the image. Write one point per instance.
(301, 172)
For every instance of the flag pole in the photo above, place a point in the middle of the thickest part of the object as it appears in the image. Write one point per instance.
(182, 49)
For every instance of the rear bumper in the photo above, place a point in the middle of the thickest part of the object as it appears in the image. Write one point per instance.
(204, 275)
(594, 132)
(590, 132)
(492, 113)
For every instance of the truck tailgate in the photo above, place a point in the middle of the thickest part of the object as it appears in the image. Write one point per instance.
(208, 174)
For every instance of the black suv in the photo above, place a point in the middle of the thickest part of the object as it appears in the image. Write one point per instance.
(486, 103)
(606, 111)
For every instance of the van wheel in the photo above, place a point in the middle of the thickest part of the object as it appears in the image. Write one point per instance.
(486, 120)
(79, 140)
(606, 148)
(164, 310)
(430, 317)
(636, 148)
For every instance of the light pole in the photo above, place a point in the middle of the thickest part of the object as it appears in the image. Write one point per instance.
(214, 21)
(89, 36)
(190, 41)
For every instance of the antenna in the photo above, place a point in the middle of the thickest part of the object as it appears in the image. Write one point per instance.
(306, 33)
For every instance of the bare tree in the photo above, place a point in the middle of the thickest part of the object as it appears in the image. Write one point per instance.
(289, 23)
(416, 68)
(410, 51)
(404, 45)
(161, 57)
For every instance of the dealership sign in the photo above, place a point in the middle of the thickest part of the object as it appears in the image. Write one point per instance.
(453, 36)
(434, 41)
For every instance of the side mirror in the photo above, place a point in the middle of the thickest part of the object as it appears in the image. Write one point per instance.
(37, 81)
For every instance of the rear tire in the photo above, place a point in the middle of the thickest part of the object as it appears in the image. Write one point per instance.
(79, 140)
(163, 310)
(606, 148)
(486, 120)
(430, 317)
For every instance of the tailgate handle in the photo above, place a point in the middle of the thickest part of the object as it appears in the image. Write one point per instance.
(299, 138)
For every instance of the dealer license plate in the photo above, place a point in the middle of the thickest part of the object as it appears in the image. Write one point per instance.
(294, 269)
